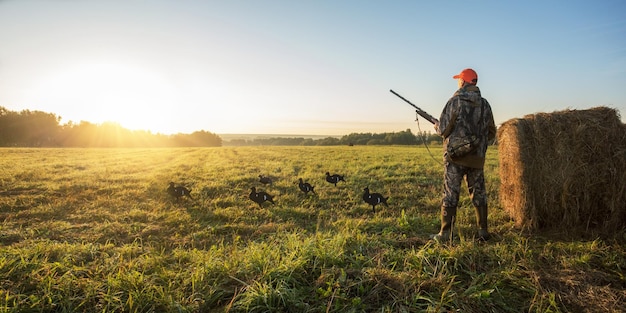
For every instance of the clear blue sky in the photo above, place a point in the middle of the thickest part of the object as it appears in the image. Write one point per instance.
(304, 67)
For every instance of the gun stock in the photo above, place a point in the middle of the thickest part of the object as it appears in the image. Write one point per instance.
(419, 111)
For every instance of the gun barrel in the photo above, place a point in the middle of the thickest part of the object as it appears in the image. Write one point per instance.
(419, 111)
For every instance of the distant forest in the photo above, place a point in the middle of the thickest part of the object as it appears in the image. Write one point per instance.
(396, 138)
(40, 129)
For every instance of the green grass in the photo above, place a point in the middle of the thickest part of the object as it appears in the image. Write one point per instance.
(93, 230)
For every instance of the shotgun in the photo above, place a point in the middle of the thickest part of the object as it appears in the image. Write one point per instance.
(419, 111)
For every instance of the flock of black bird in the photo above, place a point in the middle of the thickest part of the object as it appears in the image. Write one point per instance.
(260, 197)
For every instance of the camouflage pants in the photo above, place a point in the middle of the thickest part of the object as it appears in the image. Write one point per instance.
(475, 178)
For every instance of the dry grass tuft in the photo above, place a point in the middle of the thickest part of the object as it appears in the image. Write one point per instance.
(585, 291)
(564, 170)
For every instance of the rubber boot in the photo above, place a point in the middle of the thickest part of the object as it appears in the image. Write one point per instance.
(448, 216)
(481, 219)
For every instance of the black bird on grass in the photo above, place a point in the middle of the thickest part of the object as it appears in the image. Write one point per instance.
(373, 198)
(334, 179)
(260, 197)
(265, 180)
(178, 191)
(305, 187)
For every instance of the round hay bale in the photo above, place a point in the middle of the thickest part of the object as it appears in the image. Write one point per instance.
(564, 169)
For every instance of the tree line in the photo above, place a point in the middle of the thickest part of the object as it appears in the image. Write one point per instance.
(40, 129)
(394, 138)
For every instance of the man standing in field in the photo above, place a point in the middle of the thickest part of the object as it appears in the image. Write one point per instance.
(466, 115)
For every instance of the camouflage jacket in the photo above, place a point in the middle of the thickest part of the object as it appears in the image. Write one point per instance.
(461, 117)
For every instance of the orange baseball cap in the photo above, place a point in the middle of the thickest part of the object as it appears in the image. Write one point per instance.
(467, 75)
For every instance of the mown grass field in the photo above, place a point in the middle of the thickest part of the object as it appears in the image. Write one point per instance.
(93, 230)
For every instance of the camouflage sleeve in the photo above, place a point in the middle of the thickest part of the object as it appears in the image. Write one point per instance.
(447, 118)
(491, 124)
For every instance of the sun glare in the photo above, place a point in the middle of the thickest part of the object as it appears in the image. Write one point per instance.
(135, 98)
(144, 99)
